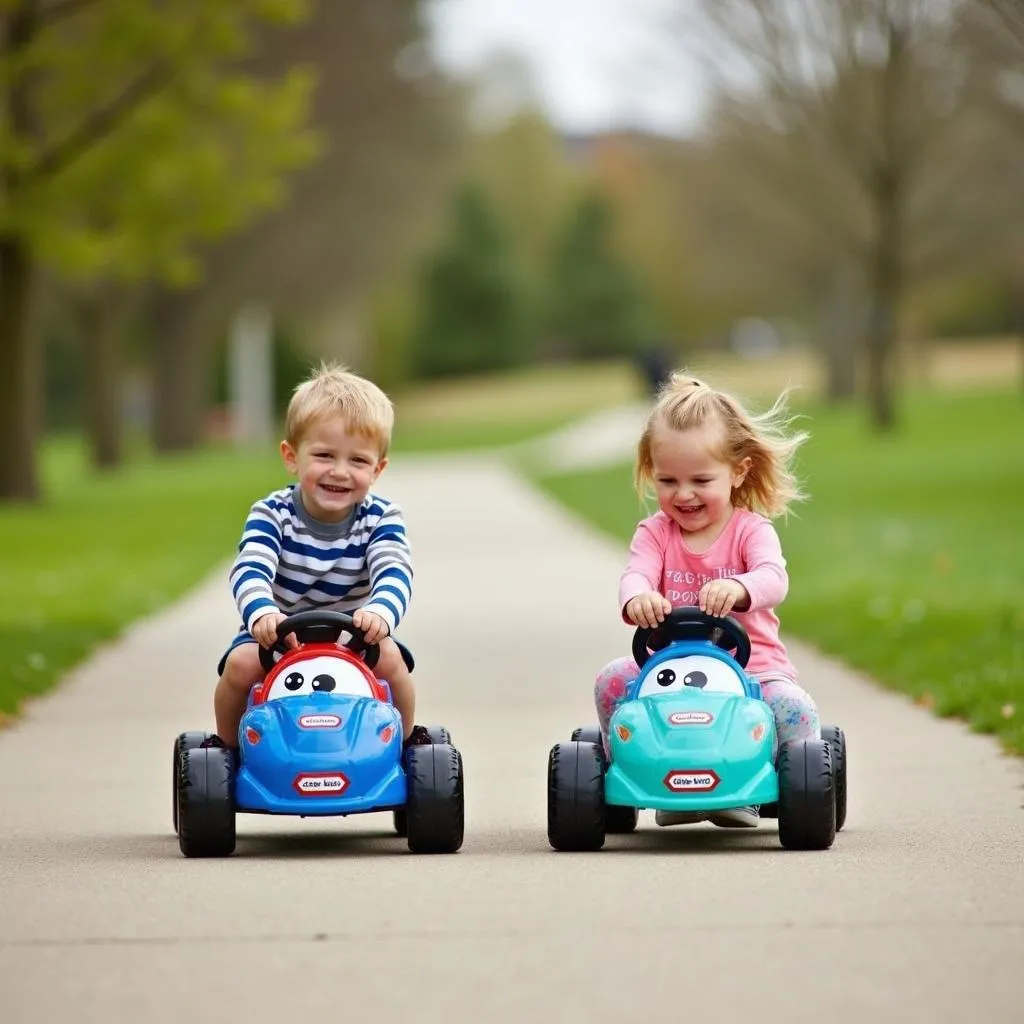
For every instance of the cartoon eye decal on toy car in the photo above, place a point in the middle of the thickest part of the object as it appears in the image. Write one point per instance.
(324, 674)
(695, 671)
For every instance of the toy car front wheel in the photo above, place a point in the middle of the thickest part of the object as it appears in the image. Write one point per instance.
(836, 739)
(435, 811)
(576, 809)
(206, 807)
(438, 735)
(186, 741)
(807, 803)
(587, 734)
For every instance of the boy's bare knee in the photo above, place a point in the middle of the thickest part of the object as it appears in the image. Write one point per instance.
(243, 667)
(390, 663)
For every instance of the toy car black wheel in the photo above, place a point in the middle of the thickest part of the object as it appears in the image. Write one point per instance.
(186, 741)
(807, 802)
(206, 806)
(620, 820)
(576, 808)
(435, 811)
(836, 739)
(587, 734)
(439, 734)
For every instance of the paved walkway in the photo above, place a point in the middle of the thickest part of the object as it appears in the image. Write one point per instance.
(915, 915)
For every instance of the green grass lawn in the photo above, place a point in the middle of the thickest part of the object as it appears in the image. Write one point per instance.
(907, 560)
(105, 550)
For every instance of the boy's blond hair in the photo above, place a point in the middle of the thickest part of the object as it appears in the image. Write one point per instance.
(684, 402)
(331, 391)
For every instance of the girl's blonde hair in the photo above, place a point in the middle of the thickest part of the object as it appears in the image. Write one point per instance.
(684, 402)
(331, 391)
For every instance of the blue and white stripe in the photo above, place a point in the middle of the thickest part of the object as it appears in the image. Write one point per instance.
(289, 562)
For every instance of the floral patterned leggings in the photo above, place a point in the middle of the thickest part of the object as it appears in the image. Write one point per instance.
(796, 714)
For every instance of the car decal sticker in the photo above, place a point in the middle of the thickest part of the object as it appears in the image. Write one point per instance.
(691, 718)
(320, 783)
(690, 780)
(320, 721)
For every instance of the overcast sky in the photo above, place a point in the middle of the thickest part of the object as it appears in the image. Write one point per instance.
(597, 64)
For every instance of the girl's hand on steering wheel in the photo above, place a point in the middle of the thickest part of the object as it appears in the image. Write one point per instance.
(648, 610)
(719, 597)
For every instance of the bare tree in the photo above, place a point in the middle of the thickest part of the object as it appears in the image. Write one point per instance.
(992, 36)
(845, 101)
(993, 32)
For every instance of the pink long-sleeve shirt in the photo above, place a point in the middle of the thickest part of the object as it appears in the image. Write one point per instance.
(748, 550)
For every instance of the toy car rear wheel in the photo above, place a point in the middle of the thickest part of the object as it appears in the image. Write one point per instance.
(206, 805)
(186, 741)
(401, 822)
(576, 808)
(435, 811)
(807, 803)
(836, 739)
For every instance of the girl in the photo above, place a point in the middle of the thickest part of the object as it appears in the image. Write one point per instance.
(718, 473)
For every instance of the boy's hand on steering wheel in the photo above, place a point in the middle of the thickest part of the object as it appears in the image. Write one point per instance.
(647, 610)
(374, 627)
(264, 630)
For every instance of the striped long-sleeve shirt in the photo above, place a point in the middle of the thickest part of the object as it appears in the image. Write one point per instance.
(289, 562)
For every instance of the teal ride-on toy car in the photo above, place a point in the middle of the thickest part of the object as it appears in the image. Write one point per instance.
(694, 735)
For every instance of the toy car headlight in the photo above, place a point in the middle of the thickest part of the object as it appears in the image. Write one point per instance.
(624, 725)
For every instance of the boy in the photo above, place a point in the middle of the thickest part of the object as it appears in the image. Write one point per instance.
(324, 542)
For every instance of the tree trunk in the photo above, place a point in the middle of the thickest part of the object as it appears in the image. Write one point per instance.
(885, 293)
(880, 339)
(19, 381)
(180, 381)
(104, 398)
(840, 331)
(20, 386)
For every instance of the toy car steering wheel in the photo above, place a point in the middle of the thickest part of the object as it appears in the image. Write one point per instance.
(319, 627)
(690, 623)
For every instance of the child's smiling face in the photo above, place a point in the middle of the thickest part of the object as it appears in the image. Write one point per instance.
(694, 486)
(335, 468)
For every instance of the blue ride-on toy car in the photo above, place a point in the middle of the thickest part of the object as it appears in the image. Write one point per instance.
(320, 736)
(695, 735)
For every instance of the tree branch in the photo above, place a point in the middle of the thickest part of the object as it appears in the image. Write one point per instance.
(1010, 14)
(101, 122)
(59, 10)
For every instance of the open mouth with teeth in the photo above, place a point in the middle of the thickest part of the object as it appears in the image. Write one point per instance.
(335, 488)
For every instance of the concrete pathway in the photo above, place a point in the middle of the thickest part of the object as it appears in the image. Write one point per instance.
(915, 915)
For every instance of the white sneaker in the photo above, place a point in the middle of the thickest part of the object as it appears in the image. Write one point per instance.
(736, 817)
(664, 818)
